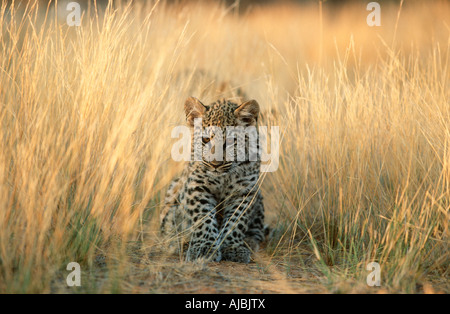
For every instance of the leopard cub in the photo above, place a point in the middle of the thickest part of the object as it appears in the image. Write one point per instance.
(214, 210)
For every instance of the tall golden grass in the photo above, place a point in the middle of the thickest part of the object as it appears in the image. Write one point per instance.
(86, 115)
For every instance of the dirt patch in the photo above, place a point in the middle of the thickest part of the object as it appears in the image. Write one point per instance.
(263, 275)
(266, 274)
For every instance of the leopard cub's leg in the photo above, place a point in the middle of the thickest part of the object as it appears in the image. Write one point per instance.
(174, 223)
(256, 231)
(237, 215)
(201, 209)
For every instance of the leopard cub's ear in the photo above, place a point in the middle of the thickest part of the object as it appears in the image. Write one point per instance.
(247, 113)
(193, 109)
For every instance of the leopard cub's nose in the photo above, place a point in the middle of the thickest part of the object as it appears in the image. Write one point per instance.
(216, 163)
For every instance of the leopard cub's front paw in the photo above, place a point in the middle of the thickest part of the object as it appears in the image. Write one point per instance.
(239, 254)
(206, 251)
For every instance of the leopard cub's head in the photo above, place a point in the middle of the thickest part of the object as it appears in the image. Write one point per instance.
(223, 118)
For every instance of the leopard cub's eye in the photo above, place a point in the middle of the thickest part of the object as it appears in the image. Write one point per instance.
(206, 140)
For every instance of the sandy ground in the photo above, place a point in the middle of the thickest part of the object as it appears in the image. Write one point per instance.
(155, 273)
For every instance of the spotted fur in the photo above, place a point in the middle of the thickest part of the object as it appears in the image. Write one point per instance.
(214, 210)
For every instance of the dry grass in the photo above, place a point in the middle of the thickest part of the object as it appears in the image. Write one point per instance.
(85, 120)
